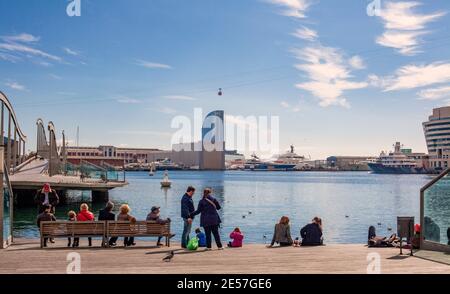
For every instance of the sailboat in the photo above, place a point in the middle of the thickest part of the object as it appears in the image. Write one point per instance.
(151, 173)
(166, 183)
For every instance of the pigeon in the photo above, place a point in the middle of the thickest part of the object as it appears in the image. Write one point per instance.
(169, 257)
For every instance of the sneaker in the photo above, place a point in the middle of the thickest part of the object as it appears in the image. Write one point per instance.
(220, 248)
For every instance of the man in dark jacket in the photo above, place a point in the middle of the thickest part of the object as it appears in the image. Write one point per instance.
(311, 234)
(187, 208)
(43, 217)
(107, 215)
(46, 196)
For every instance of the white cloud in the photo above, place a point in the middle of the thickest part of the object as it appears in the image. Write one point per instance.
(416, 76)
(15, 48)
(435, 93)
(179, 97)
(404, 26)
(71, 52)
(24, 38)
(293, 8)
(357, 62)
(152, 65)
(16, 86)
(167, 110)
(329, 75)
(305, 33)
(284, 104)
(127, 100)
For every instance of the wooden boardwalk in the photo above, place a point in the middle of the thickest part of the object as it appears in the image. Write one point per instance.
(26, 257)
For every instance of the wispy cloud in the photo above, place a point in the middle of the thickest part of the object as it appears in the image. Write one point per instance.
(55, 77)
(71, 52)
(16, 86)
(179, 97)
(127, 100)
(167, 110)
(15, 48)
(288, 106)
(23, 38)
(152, 65)
(435, 93)
(293, 8)
(329, 74)
(305, 33)
(416, 76)
(404, 27)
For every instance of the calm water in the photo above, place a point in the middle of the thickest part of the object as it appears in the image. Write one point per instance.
(263, 197)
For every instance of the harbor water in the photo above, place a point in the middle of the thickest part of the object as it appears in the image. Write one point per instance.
(348, 202)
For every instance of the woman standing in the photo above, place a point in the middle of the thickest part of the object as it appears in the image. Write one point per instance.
(209, 218)
(282, 233)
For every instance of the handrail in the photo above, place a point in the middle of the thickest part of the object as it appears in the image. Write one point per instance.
(5, 100)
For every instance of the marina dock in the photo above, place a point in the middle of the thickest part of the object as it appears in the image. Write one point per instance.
(25, 256)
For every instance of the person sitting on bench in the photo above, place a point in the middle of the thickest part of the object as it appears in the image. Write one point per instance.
(155, 215)
(45, 216)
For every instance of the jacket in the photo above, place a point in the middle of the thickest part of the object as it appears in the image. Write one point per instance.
(311, 235)
(187, 206)
(237, 239)
(39, 199)
(85, 216)
(155, 217)
(44, 217)
(282, 234)
(105, 215)
(209, 215)
(201, 239)
(124, 217)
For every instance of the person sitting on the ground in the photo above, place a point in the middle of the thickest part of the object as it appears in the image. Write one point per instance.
(378, 241)
(237, 238)
(84, 216)
(106, 214)
(282, 233)
(201, 237)
(125, 216)
(312, 233)
(46, 215)
(72, 215)
(155, 215)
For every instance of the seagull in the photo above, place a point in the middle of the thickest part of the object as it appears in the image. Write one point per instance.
(169, 257)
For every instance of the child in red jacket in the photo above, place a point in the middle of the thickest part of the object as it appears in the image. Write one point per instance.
(237, 237)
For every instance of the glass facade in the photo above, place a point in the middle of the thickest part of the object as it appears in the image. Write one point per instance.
(436, 210)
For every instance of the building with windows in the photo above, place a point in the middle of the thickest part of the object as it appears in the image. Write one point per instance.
(437, 136)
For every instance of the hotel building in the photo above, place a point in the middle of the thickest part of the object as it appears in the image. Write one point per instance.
(437, 135)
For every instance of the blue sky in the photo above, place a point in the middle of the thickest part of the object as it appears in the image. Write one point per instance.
(342, 82)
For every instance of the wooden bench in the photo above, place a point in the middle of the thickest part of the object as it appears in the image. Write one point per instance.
(138, 229)
(104, 229)
(68, 229)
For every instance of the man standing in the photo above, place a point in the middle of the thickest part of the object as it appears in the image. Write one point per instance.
(187, 208)
(46, 196)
